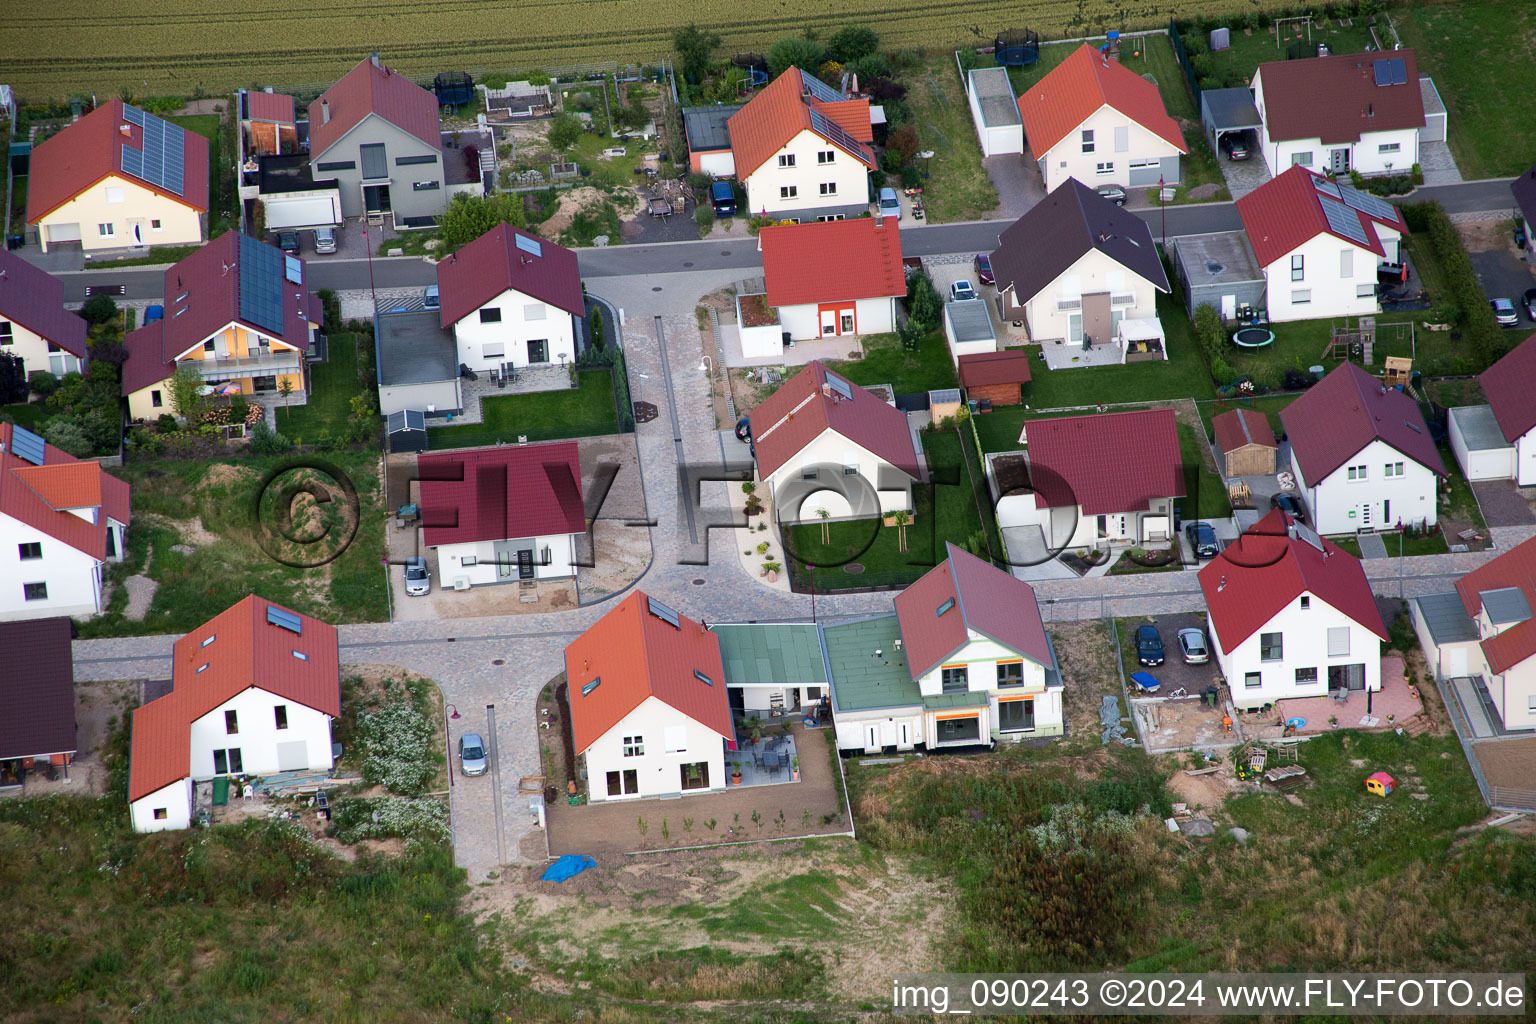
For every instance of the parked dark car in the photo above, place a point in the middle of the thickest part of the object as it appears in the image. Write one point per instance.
(744, 429)
(1202, 540)
(1149, 646)
(1114, 193)
(983, 264)
(1529, 301)
(1234, 146)
(288, 241)
(1290, 505)
(724, 199)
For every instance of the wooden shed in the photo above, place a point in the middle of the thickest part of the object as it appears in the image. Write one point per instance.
(1246, 442)
(996, 377)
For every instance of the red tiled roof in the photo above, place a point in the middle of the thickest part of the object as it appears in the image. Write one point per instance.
(1236, 428)
(852, 116)
(211, 279)
(246, 651)
(365, 90)
(1514, 568)
(39, 695)
(1336, 98)
(501, 493)
(1109, 463)
(1075, 89)
(1264, 570)
(798, 413)
(779, 113)
(1347, 410)
(636, 655)
(28, 493)
(986, 599)
(92, 148)
(832, 261)
(269, 106)
(1010, 366)
(35, 299)
(1506, 385)
(1286, 212)
(493, 263)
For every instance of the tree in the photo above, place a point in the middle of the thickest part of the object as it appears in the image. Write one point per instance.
(285, 389)
(903, 141)
(13, 379)
(67, 433)
(795, 52)
(872, 66)
(564, 131)
(824, 515)
(597, 329)
(99, 309)
(851, 43)
(902, 517)
(185, 386)
(695, 51)
(469, 217)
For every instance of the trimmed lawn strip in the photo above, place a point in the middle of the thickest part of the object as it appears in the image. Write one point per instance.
(1127, 565)
(332, 385)
(163, 255)
(1299, 344)
(1205, 495)
(584, 411)
(930, 368)
(1270, 405)
(1463, 504)
(27, 414)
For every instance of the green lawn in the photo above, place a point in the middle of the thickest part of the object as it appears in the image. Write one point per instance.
(207, 125)
(18, 203)
(1478, 53)
(333, 383)
(583, 411)
(958, 187)
(945, 512)
(1205, 496)
(930, 368)
(1235, 65)
(28, 414)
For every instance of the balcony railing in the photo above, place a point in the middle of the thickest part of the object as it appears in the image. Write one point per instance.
(264, 364)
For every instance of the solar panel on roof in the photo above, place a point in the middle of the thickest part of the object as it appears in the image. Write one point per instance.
(1326, 187)
(1342, 220)
(819, 89)
(1399, 69)
(1309, 535)
(133, 115)
(27, 445)
(840, 386)
(664, 613)
(161, 157)
(285, 619)
(293, 270)
(1373, 206)
(529, 245)
(828, 129)
(1382, 75)
(261, 285)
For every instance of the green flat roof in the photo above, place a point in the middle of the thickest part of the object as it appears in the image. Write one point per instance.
(787, 653)
(862, 681)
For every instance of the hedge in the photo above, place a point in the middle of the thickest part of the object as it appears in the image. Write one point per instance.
(1472, 314)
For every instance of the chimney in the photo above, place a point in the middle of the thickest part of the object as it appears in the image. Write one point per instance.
(1370, 110)
(373, 58)
(325, 111)
(879, 220)
(1222, 585)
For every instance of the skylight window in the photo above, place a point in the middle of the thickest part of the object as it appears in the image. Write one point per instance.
(949, 603)
(589, 687)
(211, 639)
(201, 669)
(301, 655)
(702, 677)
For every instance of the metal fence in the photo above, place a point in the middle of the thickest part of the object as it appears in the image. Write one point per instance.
(1182, 56)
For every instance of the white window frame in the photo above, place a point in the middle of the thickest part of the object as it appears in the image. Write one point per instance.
(1303, 158)
(493, 350)
(1104, 167)
(1365, 291)
(1390, 147)
(106, 230)
(789, 191)
(786, 159)
(1335, 635)
(1301, 296)
(634, 746)
(826, 156)
(1087, 140)
(1360, 472)
(535, 311)
(676, 739)
(115, 194)
(829, 188)
(1298, 267)
(1306, 682)
(1346, 263)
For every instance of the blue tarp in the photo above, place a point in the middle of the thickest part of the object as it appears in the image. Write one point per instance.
(1145, 680)
(566, 867)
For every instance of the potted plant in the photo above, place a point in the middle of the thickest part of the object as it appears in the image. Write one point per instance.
(794, 768)
(771, 570)
(1333, 720)
(735, 773)
(757, 735)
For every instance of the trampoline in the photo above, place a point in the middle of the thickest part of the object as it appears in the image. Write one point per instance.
(1016, 48)
(1253, 337)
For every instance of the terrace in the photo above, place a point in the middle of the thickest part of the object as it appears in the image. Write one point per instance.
(769, 761)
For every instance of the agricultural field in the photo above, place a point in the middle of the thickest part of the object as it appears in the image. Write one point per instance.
(142, 48)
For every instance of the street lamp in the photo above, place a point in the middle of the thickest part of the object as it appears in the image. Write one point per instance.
(707, 366)
(454, 711)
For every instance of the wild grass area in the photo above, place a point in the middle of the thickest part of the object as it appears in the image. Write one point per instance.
(958, 187)
(76, 45)
(209, 510)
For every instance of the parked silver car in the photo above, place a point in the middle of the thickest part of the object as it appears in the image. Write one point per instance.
(418, 578)
(325, 240)
(1192, 646)
(472, 754)
(431, 298)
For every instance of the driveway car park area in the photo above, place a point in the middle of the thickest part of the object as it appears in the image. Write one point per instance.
(1168, 722)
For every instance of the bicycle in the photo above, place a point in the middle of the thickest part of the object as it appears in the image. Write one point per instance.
(1176, 694)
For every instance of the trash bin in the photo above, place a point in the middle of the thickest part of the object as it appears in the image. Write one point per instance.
(1317, 372)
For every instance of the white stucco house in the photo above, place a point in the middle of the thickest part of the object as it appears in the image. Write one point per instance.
(61, 521)
(34, 325)
(823, 280)
(510, 514)
(1362, 455)
(649, 712)
(1095, 285)
(119, 178)
(822, 442)
(511, 299)
(254, 692)
(1346, 112)
(1290, 615)
(1093, 119)
(1095, 480)
(1319, 243)
(1497, 441)
(803, 150)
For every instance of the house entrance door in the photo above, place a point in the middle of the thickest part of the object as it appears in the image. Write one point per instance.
(846, 324)
(376, 199)
(506, 559)
(1229, 307)
(1338, 160)
(828, 322)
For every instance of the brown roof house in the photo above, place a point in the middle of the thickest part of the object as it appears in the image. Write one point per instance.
(1348, 112)
(1094, 287)
(823, 442)
(38, 727)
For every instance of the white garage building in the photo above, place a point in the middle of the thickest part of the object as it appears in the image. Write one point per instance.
(994, 111)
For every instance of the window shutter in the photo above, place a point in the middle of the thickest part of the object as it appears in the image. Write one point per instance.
(1338, 641)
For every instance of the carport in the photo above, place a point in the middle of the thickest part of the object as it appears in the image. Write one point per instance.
(303, 210)
(1227, 110)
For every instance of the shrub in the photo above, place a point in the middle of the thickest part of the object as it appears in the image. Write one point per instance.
(395, 742)
(381, 817)
(1475, 319)
(911, 177)
(852, 43)
(266, 441)
(43, 383)
(99, 309)
(872, 66)
(1296, 379)
(69, 434)
(795, 52)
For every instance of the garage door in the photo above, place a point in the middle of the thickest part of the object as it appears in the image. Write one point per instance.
(309, 212)
(63, 232)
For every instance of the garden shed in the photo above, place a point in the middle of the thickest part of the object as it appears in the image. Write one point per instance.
(406, 431)
(996, 378)
(1246, 442)
(1436, 118)
(1219, 270)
